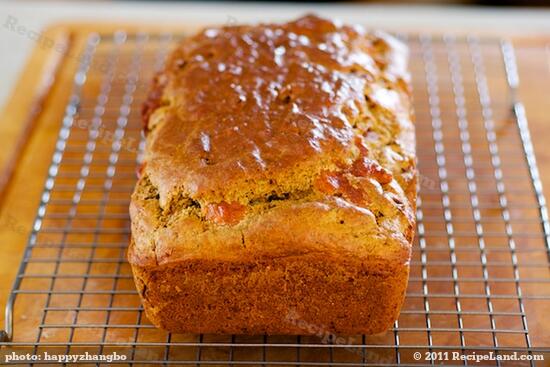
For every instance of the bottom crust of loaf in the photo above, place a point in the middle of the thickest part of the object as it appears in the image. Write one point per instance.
(300, 295)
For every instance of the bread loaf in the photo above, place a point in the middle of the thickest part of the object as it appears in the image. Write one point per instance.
(278, 187)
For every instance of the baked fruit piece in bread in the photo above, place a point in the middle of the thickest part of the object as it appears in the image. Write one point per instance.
(278, 188)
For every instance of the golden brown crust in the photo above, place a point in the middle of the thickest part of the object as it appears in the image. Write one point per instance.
(304, 294)
(272, 151)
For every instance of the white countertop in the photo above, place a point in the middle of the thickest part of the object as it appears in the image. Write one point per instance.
(35, 16)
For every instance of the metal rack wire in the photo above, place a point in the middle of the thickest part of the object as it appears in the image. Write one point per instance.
(480, 278)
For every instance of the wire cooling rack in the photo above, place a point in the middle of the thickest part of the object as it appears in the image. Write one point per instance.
(480, 279)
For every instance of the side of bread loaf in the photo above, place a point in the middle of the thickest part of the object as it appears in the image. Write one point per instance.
(278, 187)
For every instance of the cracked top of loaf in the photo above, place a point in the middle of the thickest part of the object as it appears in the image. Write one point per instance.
(251, 127)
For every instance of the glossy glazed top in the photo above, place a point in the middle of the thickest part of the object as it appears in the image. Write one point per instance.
(261, 105)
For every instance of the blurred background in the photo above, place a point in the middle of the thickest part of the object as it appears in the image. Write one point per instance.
(394, 2)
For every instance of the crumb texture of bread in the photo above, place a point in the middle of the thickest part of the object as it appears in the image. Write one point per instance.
(278, 186)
